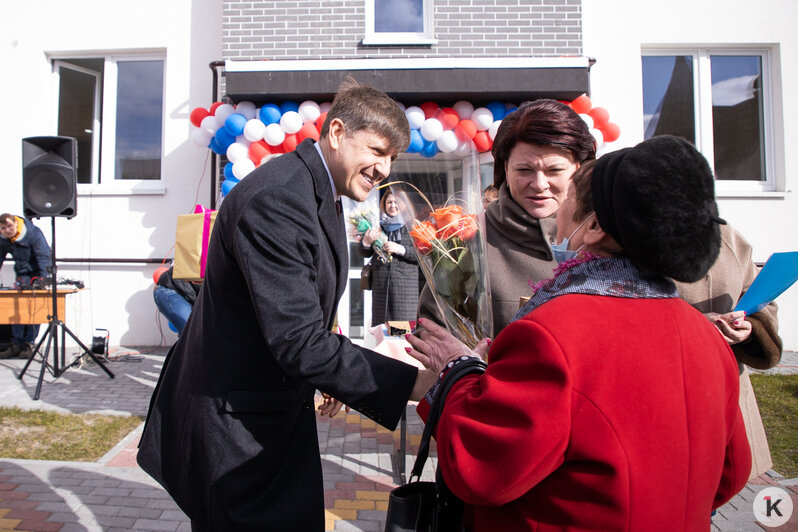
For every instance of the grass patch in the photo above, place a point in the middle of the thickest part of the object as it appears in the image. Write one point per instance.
(777, 396)
(46, 435)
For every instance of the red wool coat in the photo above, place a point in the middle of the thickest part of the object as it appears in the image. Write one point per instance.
(598, 413)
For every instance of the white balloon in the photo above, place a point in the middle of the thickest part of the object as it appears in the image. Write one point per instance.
(309, 111)
(598, 135)
(253, 130)
(465, 147)
(209, 124)
(247, 109)
(222, 112)
(241, 139)
(324, 107)
(431, 129)
(291, 122)
(242, 167)
(415, 116)
(236, 152)
(483, 118)
(274, 134)
(402, 106)
(588, 120)
(464, 109)
(448, 141)
(201, 137)
(494, 127)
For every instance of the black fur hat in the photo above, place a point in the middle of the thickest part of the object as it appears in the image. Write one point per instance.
(657, 200)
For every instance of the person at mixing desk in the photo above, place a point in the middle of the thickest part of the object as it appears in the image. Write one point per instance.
(31, 253)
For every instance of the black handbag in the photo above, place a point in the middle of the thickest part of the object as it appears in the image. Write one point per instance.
(429, 506)
(365, 276)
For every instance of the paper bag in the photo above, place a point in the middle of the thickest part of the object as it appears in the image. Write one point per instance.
(191, 243)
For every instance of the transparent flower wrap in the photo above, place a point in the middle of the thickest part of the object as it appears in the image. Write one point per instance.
(363, 216)
(446, 223)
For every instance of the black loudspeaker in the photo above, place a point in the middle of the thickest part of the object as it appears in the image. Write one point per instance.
(49, 176)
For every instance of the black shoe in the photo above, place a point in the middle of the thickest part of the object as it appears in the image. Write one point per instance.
(12, 352)
(25, 351)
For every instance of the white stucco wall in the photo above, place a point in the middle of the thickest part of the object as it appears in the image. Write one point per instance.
(122, 225)
(615, 31)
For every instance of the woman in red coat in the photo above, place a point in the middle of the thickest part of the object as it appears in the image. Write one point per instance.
(609, 403)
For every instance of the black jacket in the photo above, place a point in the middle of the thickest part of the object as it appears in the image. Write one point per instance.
(231, 432)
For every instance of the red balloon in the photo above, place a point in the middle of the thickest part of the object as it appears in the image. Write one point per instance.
(290, 142)
(320, 121)
(258, 150)
(582, 104)
(308, 131)
(197, 115)
(482, 141)
(158, 272)
(465, 130)
(214, 105)
(448, 117)
(600, 117)
(430, 109)
(611, 132)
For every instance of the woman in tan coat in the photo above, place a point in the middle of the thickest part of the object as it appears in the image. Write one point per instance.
(537, 150)
(754, 339)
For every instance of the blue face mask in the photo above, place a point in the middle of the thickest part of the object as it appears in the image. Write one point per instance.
(561, 252)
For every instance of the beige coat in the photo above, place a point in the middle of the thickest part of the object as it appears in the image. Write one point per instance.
(518, 254)
(727, 280)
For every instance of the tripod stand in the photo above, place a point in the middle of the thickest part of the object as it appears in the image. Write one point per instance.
(51, 335)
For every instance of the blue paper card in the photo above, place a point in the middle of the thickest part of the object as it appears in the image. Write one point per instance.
(778, 274)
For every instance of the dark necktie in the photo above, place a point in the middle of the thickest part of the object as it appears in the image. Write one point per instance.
(338, 208)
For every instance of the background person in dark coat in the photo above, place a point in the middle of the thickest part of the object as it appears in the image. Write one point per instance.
(394, 285)
(231, 432)
(27, 246)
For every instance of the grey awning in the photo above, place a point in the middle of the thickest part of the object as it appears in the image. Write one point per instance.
(411, 82)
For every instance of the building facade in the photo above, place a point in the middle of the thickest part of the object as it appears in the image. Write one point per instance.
(720, 77)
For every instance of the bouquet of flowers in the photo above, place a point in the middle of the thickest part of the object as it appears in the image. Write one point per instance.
(450, 243)
(364, 218)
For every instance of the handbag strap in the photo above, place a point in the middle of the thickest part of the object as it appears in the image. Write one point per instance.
(473, 365)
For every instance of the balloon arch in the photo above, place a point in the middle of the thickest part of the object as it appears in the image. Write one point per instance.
(248, 136)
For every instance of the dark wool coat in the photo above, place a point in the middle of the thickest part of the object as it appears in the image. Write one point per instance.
(394, 285)
(31, 253)
(597, 413)
(519, 253)
(231, 432)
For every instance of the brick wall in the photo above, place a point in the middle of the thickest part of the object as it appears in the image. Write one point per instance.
(333, 29)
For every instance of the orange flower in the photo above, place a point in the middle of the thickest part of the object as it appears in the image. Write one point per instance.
(422, 234)
(452, 221)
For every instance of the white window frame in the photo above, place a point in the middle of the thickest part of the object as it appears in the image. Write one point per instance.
(702, 98)
(425, 37)
(104, 180)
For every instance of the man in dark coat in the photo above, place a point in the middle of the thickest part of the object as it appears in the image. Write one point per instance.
(26, 244)
(231, 432)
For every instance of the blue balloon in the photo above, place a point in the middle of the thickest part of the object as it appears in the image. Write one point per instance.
(498, 109)
(216, 148)
(234, 124)
(510, 109)
(430, 148)
(224, 139)
(227, 186)
(228, 171)
(270, 113)
(289, 106)
(416, 142)
(172, 327)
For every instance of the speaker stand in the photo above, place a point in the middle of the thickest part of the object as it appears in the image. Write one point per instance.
(51, 335)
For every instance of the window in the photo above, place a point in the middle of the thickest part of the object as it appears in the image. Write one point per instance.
(113, 106)
(399, 22)
(719, 99)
